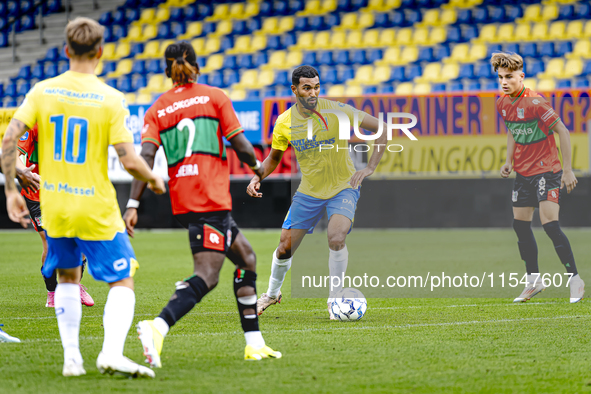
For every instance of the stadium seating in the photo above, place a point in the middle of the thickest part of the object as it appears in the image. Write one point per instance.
(359, 46)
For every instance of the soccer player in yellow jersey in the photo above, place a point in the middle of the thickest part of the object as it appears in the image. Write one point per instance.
(78, 118)
(329, 180)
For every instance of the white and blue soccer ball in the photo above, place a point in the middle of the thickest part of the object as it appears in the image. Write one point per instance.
(349, 305)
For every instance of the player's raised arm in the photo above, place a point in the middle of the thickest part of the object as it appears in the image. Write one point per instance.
(267, 167)
(568, 177)
(371, 124)
(15, 203)
(508, 166)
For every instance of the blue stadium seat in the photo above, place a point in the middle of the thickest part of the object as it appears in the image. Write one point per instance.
(533, 67)
(164, 32)
(13, 8)
(397, 74)
(108, 67)
(27, 22)
(3, 8)
(358, 57)
(396, 19)
(528, 49)
(112, 83)
(10, 90)
(479, 15)
(466, 71)
(178, 29)
(492, 48)
(370, 90)
(23, 89)
(469, 32)
(260, 58)
(295, 6)
(274, 43)
(561, 48)
(106, 19)
(566, 12)
(386, 89)
(412, 16)
(280, 8)
(490, 84)
(582, 11)
(425, 54)
(282, 77)
(341, 57)
(513, 12)
(373, 55)
(546, 49)
(309, 58)
(265, 8)
(240, 28)
(455, 87)
(136, 49)
(483, 70)
(176, 14)
(227, 43)
(154, 66)
(301, 24)
(208, 28)
(586, 68)
(438, 87)
(108, 37)
(132, 14)
(11, 103)
(51, 71)
(472, 86)
(202, 79)
(245, 61)
(215, 78)
(138, 83)
(283, 91)
(412, 71)
(496, 14)
(346, 73)
(357, 4)
(119, 18)
(581, 83)
(344, 6)
(288, 39)
(268, 93)
(254, 25)
(231, 77)
(563, 84)
(139, 67)
(52, 6)
(331, 20)
(4, 23)
(27, 6)
(328, 75)
(381, 20)
(38, 71)
(191, 13)
(513, 47)
(441, 52)
(464, 15)
(24, 72)
(3, 40)
(253, 95)
(119, 31)
(324, 58)
(131, 4)
(454, 34)
(230, 62)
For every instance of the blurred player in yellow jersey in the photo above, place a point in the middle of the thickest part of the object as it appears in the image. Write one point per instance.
(329, 180)
(78, 118)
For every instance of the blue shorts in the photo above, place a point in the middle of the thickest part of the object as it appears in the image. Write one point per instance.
(108, 261)
(306, 211)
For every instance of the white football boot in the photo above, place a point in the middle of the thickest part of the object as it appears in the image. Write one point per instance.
(123, 366)
(72, 368)
(331, 315)
(266, 301)
(577, 289)
(4, 337)
(531, 289)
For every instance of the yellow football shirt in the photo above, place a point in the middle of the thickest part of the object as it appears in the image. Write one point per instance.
(78, 117)
(325, 172)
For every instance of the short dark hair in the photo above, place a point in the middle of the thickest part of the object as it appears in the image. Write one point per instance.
(181, 61)
(303, 72)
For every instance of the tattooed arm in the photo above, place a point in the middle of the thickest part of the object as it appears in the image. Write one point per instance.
(138, 168)
(15, 204)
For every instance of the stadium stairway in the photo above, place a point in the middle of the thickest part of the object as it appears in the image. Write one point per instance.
(28, 47)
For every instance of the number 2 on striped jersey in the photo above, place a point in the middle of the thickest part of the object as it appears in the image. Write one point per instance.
(188, 123)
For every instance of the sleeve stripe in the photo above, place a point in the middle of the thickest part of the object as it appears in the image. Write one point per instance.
(152, 140)
(234, 133)
(553, 123)
(22, 150)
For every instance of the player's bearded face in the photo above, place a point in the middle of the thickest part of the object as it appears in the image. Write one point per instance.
(510, 81)
(307, 92)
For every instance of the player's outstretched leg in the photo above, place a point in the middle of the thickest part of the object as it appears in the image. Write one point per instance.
(338, 259)
(117, 322)
(279, 268)
(4, 337)
(528, 249)
(565, 253)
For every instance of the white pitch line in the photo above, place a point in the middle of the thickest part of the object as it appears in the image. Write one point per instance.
(345, 327)
(280, 311)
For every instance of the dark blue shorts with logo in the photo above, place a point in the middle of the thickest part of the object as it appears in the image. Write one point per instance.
(528, 191)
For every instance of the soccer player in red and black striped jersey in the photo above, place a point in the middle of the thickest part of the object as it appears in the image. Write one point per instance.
(532, 153)
(27, 147)
(189, 122)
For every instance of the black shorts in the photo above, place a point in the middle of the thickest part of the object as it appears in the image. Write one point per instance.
(34, 208)
(209, 231)
(528, 191)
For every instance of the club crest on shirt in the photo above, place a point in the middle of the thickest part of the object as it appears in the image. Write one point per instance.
(520, 113)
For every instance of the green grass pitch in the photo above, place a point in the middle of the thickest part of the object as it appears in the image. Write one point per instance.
(402, 345)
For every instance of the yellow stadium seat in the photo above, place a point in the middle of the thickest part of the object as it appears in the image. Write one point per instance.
(353, 91)
(404, 89)
(258, 43)
(150, 50)
(381, 74)
(220, 12)
(123, 68)
(237, 94)
(147, 16)
(582, 49)
(505, 33)
(554, 68)
(270, 25)
(550, 12)
(381, 5)
(391, 4)
(532, 13)
(449, 72)
(374, 5)
(134, 33)
(154, 84)
(198, 45)
(108, 51)
(408, 55)
(193, 30)
(348, 21)
(236, 11)
(212, 45)
(293, 59)
(99, 68)
(214, 62)
(430, 18)
(248, 80)
(531, 83)
(241, 45)
(305, 41)
(371, 38)
(546, 85)
(557, 31)
(338, 39)
(286, 23)
(387, 38)
(448, 17)
(149, 32)
(122, 50)
(336, 91)
(458, 53)
(363, 76)
(143, 98)
(391, 56)
(312, 8)
(420, 36)
(477, 52)
(162, 15)
(522, 33)
(276, 60)
(223, 28)
(488, 33)
(404, 36)
(572, 68)
(355, 39)
(162, 48)
(365, 20)
(431, 72)
(574, 30)
(587, 31)
(422, 88)
(540, 31)
(322, 40)
(437, 35)
(251, 9)
(266, 78)
(130, 98)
